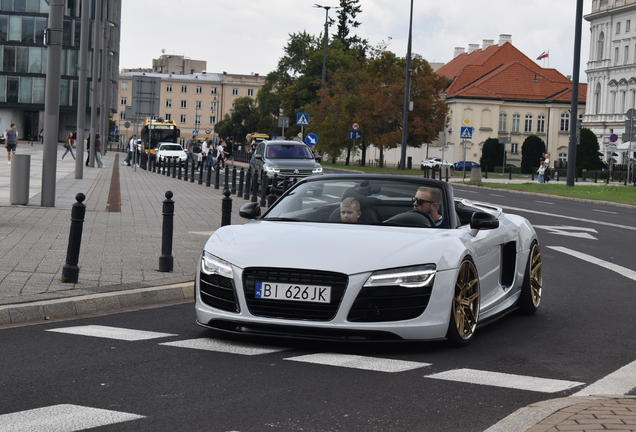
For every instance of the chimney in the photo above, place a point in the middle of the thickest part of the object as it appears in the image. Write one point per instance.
(459, 51)
(472, 48)
(503, 38)
(487, 43)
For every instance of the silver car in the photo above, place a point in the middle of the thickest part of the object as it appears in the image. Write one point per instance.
(287, 159)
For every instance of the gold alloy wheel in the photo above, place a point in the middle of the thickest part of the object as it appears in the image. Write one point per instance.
(466, 301)
(536, 276)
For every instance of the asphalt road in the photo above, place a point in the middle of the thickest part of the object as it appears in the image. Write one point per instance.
(177, 376)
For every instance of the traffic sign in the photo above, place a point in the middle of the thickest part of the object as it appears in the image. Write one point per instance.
(311, 139)
(613, 138)
(195, 132)
(355, 135)
(355, 126)
(127, 125)
(467, 121)
(208, 130)
(466, 132)
(283, 122)
(302, 119)
(631, 114)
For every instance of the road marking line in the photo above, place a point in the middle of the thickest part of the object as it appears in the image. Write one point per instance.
(566, 231)
(604, 211)
(63, 418)
(230, 347)
(619, 382)
(111, 332)
(359, 362)
(497, 379)
(588, 220)
(631, 274)
(496, 195)
(544, 202)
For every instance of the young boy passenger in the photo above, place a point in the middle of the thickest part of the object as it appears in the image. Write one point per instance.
(350, 210)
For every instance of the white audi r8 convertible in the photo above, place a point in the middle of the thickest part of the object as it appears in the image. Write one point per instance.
(413, 263)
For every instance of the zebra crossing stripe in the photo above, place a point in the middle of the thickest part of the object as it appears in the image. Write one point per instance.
(111, 332)
(359, 362)
(62, 418)
(229, 347)
(497, 379)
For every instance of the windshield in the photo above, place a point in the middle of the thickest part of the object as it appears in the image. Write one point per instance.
(361, 201)
(288, 151)
(172, 147)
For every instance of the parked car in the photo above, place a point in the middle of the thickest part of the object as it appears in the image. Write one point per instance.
(287, 159)
(435, 162)
(425, 282)
(459, 166)
(167, 150)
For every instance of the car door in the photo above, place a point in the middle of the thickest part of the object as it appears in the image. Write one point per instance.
(256, 163)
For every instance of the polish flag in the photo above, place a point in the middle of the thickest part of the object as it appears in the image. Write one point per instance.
(544, 54)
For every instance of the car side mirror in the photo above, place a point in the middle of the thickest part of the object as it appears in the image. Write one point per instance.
(318, 158)
(258, 156)
(250, 210)
(483, 221)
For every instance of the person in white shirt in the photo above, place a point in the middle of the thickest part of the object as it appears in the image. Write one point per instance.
(131, 149)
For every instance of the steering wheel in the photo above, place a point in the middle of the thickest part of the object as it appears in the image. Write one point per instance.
(427, 220)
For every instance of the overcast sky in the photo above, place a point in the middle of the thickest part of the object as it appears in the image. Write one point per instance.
(248, 36)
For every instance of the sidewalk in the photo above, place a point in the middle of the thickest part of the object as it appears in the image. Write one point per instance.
(120, 255)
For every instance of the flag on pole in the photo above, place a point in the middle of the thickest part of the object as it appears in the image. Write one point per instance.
(544, 54)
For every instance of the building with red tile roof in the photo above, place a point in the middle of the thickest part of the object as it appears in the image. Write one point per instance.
(501, 93)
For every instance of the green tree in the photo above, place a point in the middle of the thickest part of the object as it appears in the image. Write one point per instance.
(587, 155)
(347, 13)
(531, 153)
(492, 154)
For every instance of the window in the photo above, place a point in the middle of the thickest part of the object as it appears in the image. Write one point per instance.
(516, 120)
(197, 119)
(600, 46)
(541, 124)
(198, 105)
(184, 104)
(168, 103)
(628, 24)
(124, 85)
(250, 92)
(503, 120)
(213, 90)
(123, 101)
(199, 90)
(233, 105)
(563, 157)
(565, 122)
(168, 117)
(618, 27)
(235, 91)
(514, 148)
(183, 118)
(184, 88)
(528, 124)
(615, 56)
(626, 58)
(168, 88)
(212, 120)
(213, 106)
(122, 115)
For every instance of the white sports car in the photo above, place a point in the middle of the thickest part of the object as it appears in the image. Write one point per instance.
(394, 274)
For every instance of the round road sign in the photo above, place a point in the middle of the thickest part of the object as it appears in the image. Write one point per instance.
(208, 130)
(355, 126)
(613, 138)
(127, 125)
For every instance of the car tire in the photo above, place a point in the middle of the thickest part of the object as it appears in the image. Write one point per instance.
(465, 305)
(531, 289)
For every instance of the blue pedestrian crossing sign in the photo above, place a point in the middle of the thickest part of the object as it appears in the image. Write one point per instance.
(355, 135)
(466, 132)
(302, 119)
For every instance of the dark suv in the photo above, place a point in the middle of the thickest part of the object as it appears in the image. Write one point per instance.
(288, 159)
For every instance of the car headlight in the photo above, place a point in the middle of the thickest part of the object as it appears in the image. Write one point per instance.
(408, 277)
(211, 264)
(272, 169)
(317, 170)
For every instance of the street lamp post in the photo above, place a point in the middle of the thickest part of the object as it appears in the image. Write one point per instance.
(324, 57)
(407, 94)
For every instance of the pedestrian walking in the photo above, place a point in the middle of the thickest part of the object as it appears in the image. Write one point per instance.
(11, 141)
(541, 172)
(131, 149)
(68, 145)
(98, 151)
(211, 154)
(229, 150)
(220, 155)
(88, 149)
(546, 161)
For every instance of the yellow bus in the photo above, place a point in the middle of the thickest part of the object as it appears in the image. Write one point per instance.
(158, 130)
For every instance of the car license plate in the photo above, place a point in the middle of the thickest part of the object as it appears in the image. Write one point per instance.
(306, 293)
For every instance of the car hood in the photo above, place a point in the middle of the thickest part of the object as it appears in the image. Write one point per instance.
(292, 163)
(342, 248)
(171, 152)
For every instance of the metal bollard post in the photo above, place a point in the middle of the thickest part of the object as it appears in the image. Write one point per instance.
(533, 174)
(185, 170)
(240, 184)
(254, 186)
(209, 177)
(227, 178)
(485, 172)
(201, 174)
(179, 170)
(595, 176)
(175, 161)
(217, 175)
(226, 208)
(248, 184)
(272, 191)
(264, 187)
(510, 174)
(166, 260)
(233, 180)
(192, 169)
(70, 270)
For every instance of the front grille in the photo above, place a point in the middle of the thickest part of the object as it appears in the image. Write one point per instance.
(291, 173)
(218, 292)
(294, 309)
(389, 303)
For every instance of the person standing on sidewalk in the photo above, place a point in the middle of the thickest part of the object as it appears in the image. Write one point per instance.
(131, 149)
(11, 141)
(220, 158)
(209, 160)
(98, 151)
(68, 145)
(229, 150)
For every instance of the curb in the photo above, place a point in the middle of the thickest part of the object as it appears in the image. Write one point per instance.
(94, 303)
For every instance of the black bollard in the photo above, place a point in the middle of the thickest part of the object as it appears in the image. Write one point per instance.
(254, 187)
(233, 180)
(595, 176)
(217, 175)
(166, 260)
(192, 169)
(70, 270)
(208, 179)
(264, 187)
(510, 174)
(272, 191)
(226, 208)
(240, 184)
(175, 161)
(485, 172)
(248, 184)
(179, 170)
(201, 174)
(286, 184)
(227, 178)
(185, 170)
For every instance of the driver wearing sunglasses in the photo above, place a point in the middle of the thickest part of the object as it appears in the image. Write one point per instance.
(427, 200)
